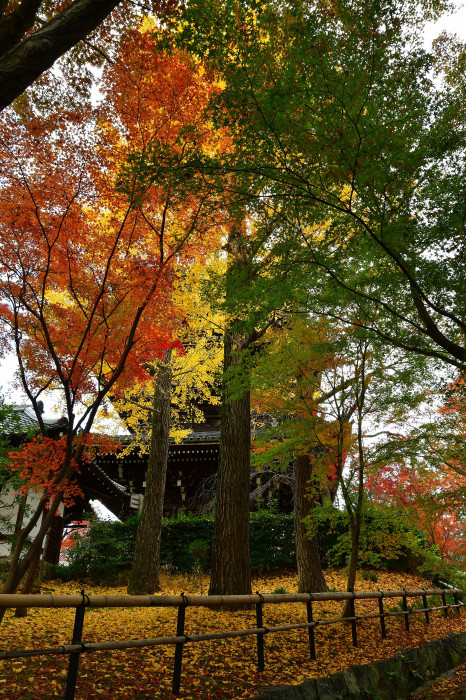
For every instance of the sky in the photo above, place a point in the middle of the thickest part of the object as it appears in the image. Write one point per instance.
(454, 24)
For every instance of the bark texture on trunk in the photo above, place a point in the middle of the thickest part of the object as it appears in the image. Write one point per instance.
(146, 562)
(310, 575)
(230, 552)
(39, 51)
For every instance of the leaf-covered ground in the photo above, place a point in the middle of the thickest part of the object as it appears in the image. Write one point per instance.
(450, 686)
(214, 669)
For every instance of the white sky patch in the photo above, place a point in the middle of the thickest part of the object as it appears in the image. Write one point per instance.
(453, 24)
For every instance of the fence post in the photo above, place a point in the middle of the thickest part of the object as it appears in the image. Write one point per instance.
(179, 645)
(260, 635)
(310, 618)
(406, 612)
(444, 603)
(457, 602)
(382, 615)
(74, 656)
(354, 633)
(426, 608)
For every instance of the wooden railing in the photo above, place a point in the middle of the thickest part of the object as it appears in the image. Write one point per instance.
(80, 602)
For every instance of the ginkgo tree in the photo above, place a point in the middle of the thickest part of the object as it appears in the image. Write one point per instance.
(155, 103)
(87, 270)
(169, 404)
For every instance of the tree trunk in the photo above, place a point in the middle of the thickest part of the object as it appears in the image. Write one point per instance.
(39, 51)
(146, 562)
(28, 586)
(353, 562)
(230, 552)
(310, 575)
(18, 567)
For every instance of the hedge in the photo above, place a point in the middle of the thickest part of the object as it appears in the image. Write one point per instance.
(106, 548)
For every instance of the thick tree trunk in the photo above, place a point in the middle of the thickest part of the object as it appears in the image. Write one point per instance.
(39, 51)
(310, 575)
(230, 553)
(146, 562)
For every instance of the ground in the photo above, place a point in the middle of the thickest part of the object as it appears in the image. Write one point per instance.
(211, 669)
(451, 686)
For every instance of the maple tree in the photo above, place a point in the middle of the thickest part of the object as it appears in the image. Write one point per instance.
(421, 475)
(418, 494)
(385, 390)
(79, 254)
(287, 389)
(322, 384)
(314, 390)
(337, 118)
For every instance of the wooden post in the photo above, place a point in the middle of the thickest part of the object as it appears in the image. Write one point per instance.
(354, 633)
(179, 646)
(444, 603)
(74, 657)
(426, 608)
(382, 617)
(260, 635)
(406, 612)
(310, 618)
(457, 602)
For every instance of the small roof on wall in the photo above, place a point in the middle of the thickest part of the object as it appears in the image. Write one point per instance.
(26, 421)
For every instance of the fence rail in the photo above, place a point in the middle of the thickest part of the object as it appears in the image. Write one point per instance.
(80, 602)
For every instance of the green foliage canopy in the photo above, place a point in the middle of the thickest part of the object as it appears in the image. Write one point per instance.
(342, 133)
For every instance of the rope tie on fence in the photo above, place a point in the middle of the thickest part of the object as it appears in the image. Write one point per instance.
(77, 639)
(262, 602)
(185, 599)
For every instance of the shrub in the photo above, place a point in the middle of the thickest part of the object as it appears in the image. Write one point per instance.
(102, 552)
(186, 545)
(106, 549)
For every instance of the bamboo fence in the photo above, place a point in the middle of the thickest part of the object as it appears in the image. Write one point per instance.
(82, 601)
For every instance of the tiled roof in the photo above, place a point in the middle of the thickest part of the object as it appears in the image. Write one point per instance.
(26, 421)
(202, 436)
(195, 436)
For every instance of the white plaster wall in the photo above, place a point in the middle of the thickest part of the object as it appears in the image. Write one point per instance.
(7, 498)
